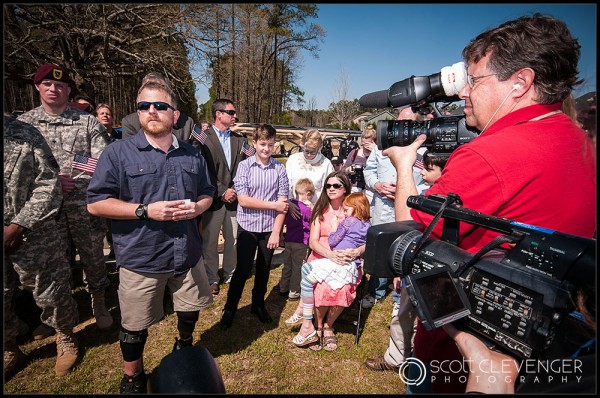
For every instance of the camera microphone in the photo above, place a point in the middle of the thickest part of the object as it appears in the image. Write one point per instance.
(442, 86)
(378, 99)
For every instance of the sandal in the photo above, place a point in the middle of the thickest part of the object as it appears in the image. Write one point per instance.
(330, 342)
(302, 341)
(318, 345)
(294, 319)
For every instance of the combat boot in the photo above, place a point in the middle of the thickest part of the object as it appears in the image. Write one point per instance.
(103, 318)
(14, 359)
(67, 350)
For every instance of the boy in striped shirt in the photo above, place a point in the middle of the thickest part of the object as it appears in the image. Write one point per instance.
(262, 189)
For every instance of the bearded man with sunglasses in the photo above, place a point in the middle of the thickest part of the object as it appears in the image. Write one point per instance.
(153, 186)
(182, 129)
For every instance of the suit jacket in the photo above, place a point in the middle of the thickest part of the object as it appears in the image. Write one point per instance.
(219, 172)
(182, 130)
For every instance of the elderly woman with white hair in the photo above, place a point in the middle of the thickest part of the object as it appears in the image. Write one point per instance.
(310, 163)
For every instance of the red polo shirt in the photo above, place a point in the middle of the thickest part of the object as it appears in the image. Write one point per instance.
(541, 173)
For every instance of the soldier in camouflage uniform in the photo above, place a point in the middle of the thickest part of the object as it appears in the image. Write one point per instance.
(70, 131)
(34, 243)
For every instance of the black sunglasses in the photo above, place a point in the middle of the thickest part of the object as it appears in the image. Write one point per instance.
(336, 186)
(159, 106)
(230, 112)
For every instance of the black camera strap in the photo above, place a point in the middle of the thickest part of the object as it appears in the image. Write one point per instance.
(494, 243)
(449, 200)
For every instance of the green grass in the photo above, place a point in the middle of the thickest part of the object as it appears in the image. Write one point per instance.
(254, 358)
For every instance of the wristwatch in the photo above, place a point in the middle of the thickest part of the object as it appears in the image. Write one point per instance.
(142, 212)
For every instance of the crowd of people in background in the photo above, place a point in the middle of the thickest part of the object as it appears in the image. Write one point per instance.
(162, 190)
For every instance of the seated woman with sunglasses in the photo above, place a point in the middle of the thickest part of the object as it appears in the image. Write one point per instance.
(329, 302)
(350, 233)
(311, 164)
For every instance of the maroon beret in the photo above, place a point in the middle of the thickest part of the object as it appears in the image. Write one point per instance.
(51, 72)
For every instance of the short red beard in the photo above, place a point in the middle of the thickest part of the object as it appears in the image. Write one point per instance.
(156, 130)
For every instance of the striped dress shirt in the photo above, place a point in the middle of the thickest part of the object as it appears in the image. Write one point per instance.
(266, 183)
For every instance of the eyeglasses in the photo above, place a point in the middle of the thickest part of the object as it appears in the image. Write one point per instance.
(472, 80)
(312, 153)
(230, 112)
(336, 186)
(159, 106)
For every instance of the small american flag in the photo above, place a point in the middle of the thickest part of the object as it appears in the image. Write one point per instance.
(419, 162)
(198, 134)
(84, 163)
(247, 149)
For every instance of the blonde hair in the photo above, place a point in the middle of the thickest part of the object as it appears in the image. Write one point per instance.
(103, 105)
(304, 184)
(569, 108)
(313, 138)
(369, 132)
(359, 202)
(157, 78)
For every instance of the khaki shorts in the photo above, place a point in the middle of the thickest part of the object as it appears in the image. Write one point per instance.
(141, 295)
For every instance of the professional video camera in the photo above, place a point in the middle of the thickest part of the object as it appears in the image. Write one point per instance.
(445, 133)
(512, 298)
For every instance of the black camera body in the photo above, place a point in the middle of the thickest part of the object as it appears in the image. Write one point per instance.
(444, 134)
(512, 298)
(358, 176)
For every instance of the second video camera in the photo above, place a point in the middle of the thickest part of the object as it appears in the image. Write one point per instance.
(512, 298)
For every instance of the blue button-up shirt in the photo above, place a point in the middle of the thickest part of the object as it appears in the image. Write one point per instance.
(134, 171)
(380, 168)
(224, 139)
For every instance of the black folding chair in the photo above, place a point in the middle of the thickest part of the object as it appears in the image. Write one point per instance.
(360, 294)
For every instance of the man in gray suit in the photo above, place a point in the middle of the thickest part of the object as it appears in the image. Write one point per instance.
(222, 150)
(182, 129)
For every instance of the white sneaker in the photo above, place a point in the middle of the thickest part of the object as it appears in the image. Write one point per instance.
(293, 296)
(368, 301)
(395, 309)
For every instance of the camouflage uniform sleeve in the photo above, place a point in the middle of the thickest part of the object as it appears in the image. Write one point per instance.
(99, 138)
(36, 194)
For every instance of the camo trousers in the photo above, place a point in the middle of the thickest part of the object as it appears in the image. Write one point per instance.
(41, 266)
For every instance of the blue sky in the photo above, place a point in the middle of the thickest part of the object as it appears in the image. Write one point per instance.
(380, 44)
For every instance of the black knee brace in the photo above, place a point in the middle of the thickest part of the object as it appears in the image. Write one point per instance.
(132, 344)
(186, 322)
